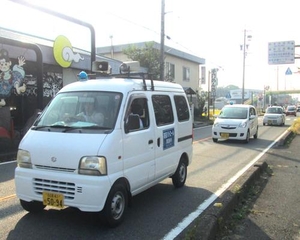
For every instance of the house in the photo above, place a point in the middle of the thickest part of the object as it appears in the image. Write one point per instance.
(180, 67)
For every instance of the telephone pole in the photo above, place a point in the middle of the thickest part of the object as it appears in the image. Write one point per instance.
(162, 41)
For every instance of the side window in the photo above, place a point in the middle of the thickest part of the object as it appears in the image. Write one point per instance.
(252, 111)
(162, 109)
(182, 108)
(138, 115)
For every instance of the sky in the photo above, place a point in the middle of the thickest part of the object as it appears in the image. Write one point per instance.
(209, 29)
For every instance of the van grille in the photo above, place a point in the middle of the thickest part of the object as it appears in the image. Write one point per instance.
(60, 169)
(66, 188)
(228, 127)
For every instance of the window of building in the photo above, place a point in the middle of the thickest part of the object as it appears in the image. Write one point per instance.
(186, 74)
(170, 72)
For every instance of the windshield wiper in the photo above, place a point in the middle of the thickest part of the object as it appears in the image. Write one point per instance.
(39, 127)
(93, 127)
(49, 126)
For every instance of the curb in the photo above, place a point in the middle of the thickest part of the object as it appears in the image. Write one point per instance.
(284, 139)
(212, 219)
(4, 157)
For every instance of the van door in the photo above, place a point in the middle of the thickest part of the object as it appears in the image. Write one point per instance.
(139, 165)
(166, 152)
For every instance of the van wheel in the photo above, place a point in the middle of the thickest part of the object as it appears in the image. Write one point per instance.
(215, 140)
(116, 205)
(179, 176)
(247, 137)
(256, 134)
(32, 207)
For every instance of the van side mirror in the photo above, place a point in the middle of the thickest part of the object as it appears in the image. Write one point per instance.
(132, 123)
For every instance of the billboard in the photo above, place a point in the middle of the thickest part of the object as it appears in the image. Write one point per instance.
(281, 52)
(237, 94)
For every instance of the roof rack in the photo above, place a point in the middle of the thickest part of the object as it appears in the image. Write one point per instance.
(126, 70)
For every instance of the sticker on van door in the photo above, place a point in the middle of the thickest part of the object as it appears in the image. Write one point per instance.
(168, 136)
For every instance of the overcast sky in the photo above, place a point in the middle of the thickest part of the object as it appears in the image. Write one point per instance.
(210, 29)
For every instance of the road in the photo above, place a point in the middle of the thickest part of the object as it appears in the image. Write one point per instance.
(156, 213)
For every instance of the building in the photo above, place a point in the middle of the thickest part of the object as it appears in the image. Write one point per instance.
(32, 71)
(180, 67)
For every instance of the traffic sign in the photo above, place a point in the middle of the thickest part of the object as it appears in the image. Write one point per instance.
(288, 72)
(282, 52)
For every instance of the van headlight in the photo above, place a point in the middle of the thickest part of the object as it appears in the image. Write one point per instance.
(243, 124)
(24, 159)
(93, 165)
(216, 124)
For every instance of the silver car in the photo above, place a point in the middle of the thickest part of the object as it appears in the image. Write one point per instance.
(274, 116)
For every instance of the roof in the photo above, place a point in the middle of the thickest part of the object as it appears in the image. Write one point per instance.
(168, 50)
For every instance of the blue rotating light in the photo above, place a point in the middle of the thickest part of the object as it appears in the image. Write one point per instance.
(83, 76)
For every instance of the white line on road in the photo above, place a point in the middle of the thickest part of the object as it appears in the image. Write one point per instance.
(8, 162)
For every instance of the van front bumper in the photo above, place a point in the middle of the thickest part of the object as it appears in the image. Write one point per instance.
(234, 134)
(87, 193)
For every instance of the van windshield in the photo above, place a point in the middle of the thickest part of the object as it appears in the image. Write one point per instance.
(82, 110)
(234, 113)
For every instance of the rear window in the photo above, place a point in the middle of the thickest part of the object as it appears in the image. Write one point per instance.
(162, 109)
(182, 108)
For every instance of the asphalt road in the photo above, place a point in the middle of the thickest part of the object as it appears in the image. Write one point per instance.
(154, 212)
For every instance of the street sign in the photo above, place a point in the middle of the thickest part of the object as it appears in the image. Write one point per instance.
(288, 72)
(281, 52)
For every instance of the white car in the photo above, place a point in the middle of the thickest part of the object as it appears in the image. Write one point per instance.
(274, 116)
(236, 122)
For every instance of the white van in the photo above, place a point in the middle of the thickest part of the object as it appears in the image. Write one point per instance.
(139, 133)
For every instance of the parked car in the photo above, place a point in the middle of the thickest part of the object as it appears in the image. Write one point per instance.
(291, 110)
(298, 108)
(274, 116)
(236, 122)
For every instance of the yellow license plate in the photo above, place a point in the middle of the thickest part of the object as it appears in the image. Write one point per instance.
(53, 199)
(225, 135)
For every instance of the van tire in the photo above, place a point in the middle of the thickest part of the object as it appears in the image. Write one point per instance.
(179, 176)
(32, 207)
(247, 139)
(116, 205)
(256, 134)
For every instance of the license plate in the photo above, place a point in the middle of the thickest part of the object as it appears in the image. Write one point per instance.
(270, 121)
(225, 135)
(53, 199)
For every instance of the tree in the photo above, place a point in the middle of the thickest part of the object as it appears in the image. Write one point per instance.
(201, 97)
(147, 56)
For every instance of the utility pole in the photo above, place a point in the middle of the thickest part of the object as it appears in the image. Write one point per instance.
(244, 59)
(162, 41)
